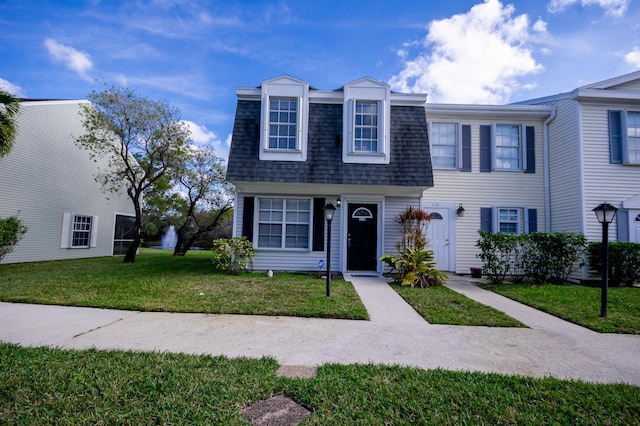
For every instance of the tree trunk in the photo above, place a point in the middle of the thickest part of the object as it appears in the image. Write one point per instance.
(130, 257)
(184, 244)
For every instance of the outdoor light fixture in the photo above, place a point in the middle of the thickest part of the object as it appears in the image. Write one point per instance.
(338, 202)
(460, 211)
(329, 210)
(605, 213)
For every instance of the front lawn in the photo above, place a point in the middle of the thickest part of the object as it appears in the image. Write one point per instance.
(580, 305)
(157, 281)
(51, 386)
(441, 305)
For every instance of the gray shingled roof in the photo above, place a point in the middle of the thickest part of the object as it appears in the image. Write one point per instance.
(410, 163)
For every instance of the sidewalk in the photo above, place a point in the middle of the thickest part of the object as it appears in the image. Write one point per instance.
(395, 335)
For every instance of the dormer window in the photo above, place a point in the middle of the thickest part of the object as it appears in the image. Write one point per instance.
(283, 121)
(366, 122)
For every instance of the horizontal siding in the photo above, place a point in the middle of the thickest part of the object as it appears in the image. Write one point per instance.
(603, 181)
(392, 231)
(630, 86)
(565, 169)
(47, 175)
(475, 190)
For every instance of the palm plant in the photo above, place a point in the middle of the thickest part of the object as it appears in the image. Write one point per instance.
(9, 107)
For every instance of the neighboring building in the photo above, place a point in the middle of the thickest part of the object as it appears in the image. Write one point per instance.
(594, 157)
(49, 183)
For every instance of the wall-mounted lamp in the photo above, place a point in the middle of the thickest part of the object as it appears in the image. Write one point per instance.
(460, 211)
(338, 202)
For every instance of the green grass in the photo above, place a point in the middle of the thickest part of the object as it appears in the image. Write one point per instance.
(158, 281)
(441, 305)
(580, 305)
(51, 386)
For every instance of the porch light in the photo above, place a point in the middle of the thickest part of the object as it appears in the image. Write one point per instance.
(605, 213)
(460, 211)
(329, 210)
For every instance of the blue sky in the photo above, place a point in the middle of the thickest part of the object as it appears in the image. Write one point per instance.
(193, 54)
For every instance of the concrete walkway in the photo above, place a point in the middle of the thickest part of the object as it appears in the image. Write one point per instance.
(395, 335)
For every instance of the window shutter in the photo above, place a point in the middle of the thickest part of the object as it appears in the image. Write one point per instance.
(485, 148)
(318, 224)
(623, 225)
(533, 220)
(615, 137)
(94, 232)
(530, 135)
(466, 148)
(247, 217)
(351, 122)
(486, 219)
(66, 231)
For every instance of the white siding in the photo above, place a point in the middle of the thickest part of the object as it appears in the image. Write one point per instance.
(565, 168)
(630, 86)
(603, 181)
(392, 232)
(46, 175)
(475, 190)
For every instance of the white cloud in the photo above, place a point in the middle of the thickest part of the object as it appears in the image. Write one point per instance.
(611, 7)
(11, 88)
(201, 136)
(540, 26)
(73, 59)
(475, 57)
(633, 57)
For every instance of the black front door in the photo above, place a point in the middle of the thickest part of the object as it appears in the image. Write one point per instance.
(362, 237)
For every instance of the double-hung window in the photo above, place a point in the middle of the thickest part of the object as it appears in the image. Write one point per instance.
(444, 145)
(633, 138)
(283, 123)
(79, 231)
(508, 143)
(284, 223)
(366, 127)
(509, 220)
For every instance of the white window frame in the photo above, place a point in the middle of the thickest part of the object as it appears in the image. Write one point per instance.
(366, 90)
(458, 144)
(284, 222)
(626, 146)
(279, 88)
(69, 230)
(522, 222)
(522, 152)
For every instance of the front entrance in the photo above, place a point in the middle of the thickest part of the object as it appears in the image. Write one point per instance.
(438, 236)
(362, 237)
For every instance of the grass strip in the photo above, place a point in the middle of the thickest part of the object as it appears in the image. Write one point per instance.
(157, 281)
(441, 305)
(580, 305)
(63, 387)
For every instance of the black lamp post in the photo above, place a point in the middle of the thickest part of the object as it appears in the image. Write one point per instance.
(329, 210)
(605, 213)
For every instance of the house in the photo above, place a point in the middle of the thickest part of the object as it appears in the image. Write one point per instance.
(48, 182)
(373, 153)
(594, 157)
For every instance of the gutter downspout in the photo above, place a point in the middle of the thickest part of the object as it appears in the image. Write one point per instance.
(547, 189)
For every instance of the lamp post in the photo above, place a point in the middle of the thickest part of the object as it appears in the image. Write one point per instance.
(329, 210)
(605, 213)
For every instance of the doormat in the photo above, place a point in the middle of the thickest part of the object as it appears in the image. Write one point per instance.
(366, 275)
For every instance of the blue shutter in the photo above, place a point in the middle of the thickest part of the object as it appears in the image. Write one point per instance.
(247, 217)
(623, 225)
(533, 220)
(466, 148)
(486, 219)
(485, 148)
(318, 224)
(615, 137)
(531, 149)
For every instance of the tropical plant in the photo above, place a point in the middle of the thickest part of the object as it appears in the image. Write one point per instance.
(9, 108)
(415, 267)
(11, 232)
(232, 255)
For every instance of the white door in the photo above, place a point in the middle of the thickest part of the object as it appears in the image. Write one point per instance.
(438, 236)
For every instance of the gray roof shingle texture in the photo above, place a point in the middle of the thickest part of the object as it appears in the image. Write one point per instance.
(410, 163)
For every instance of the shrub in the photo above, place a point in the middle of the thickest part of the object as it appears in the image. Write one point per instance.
(624, 262)
(232, 255)
(415, 267)
(497, 252)
(551, 257)
(11, 232)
